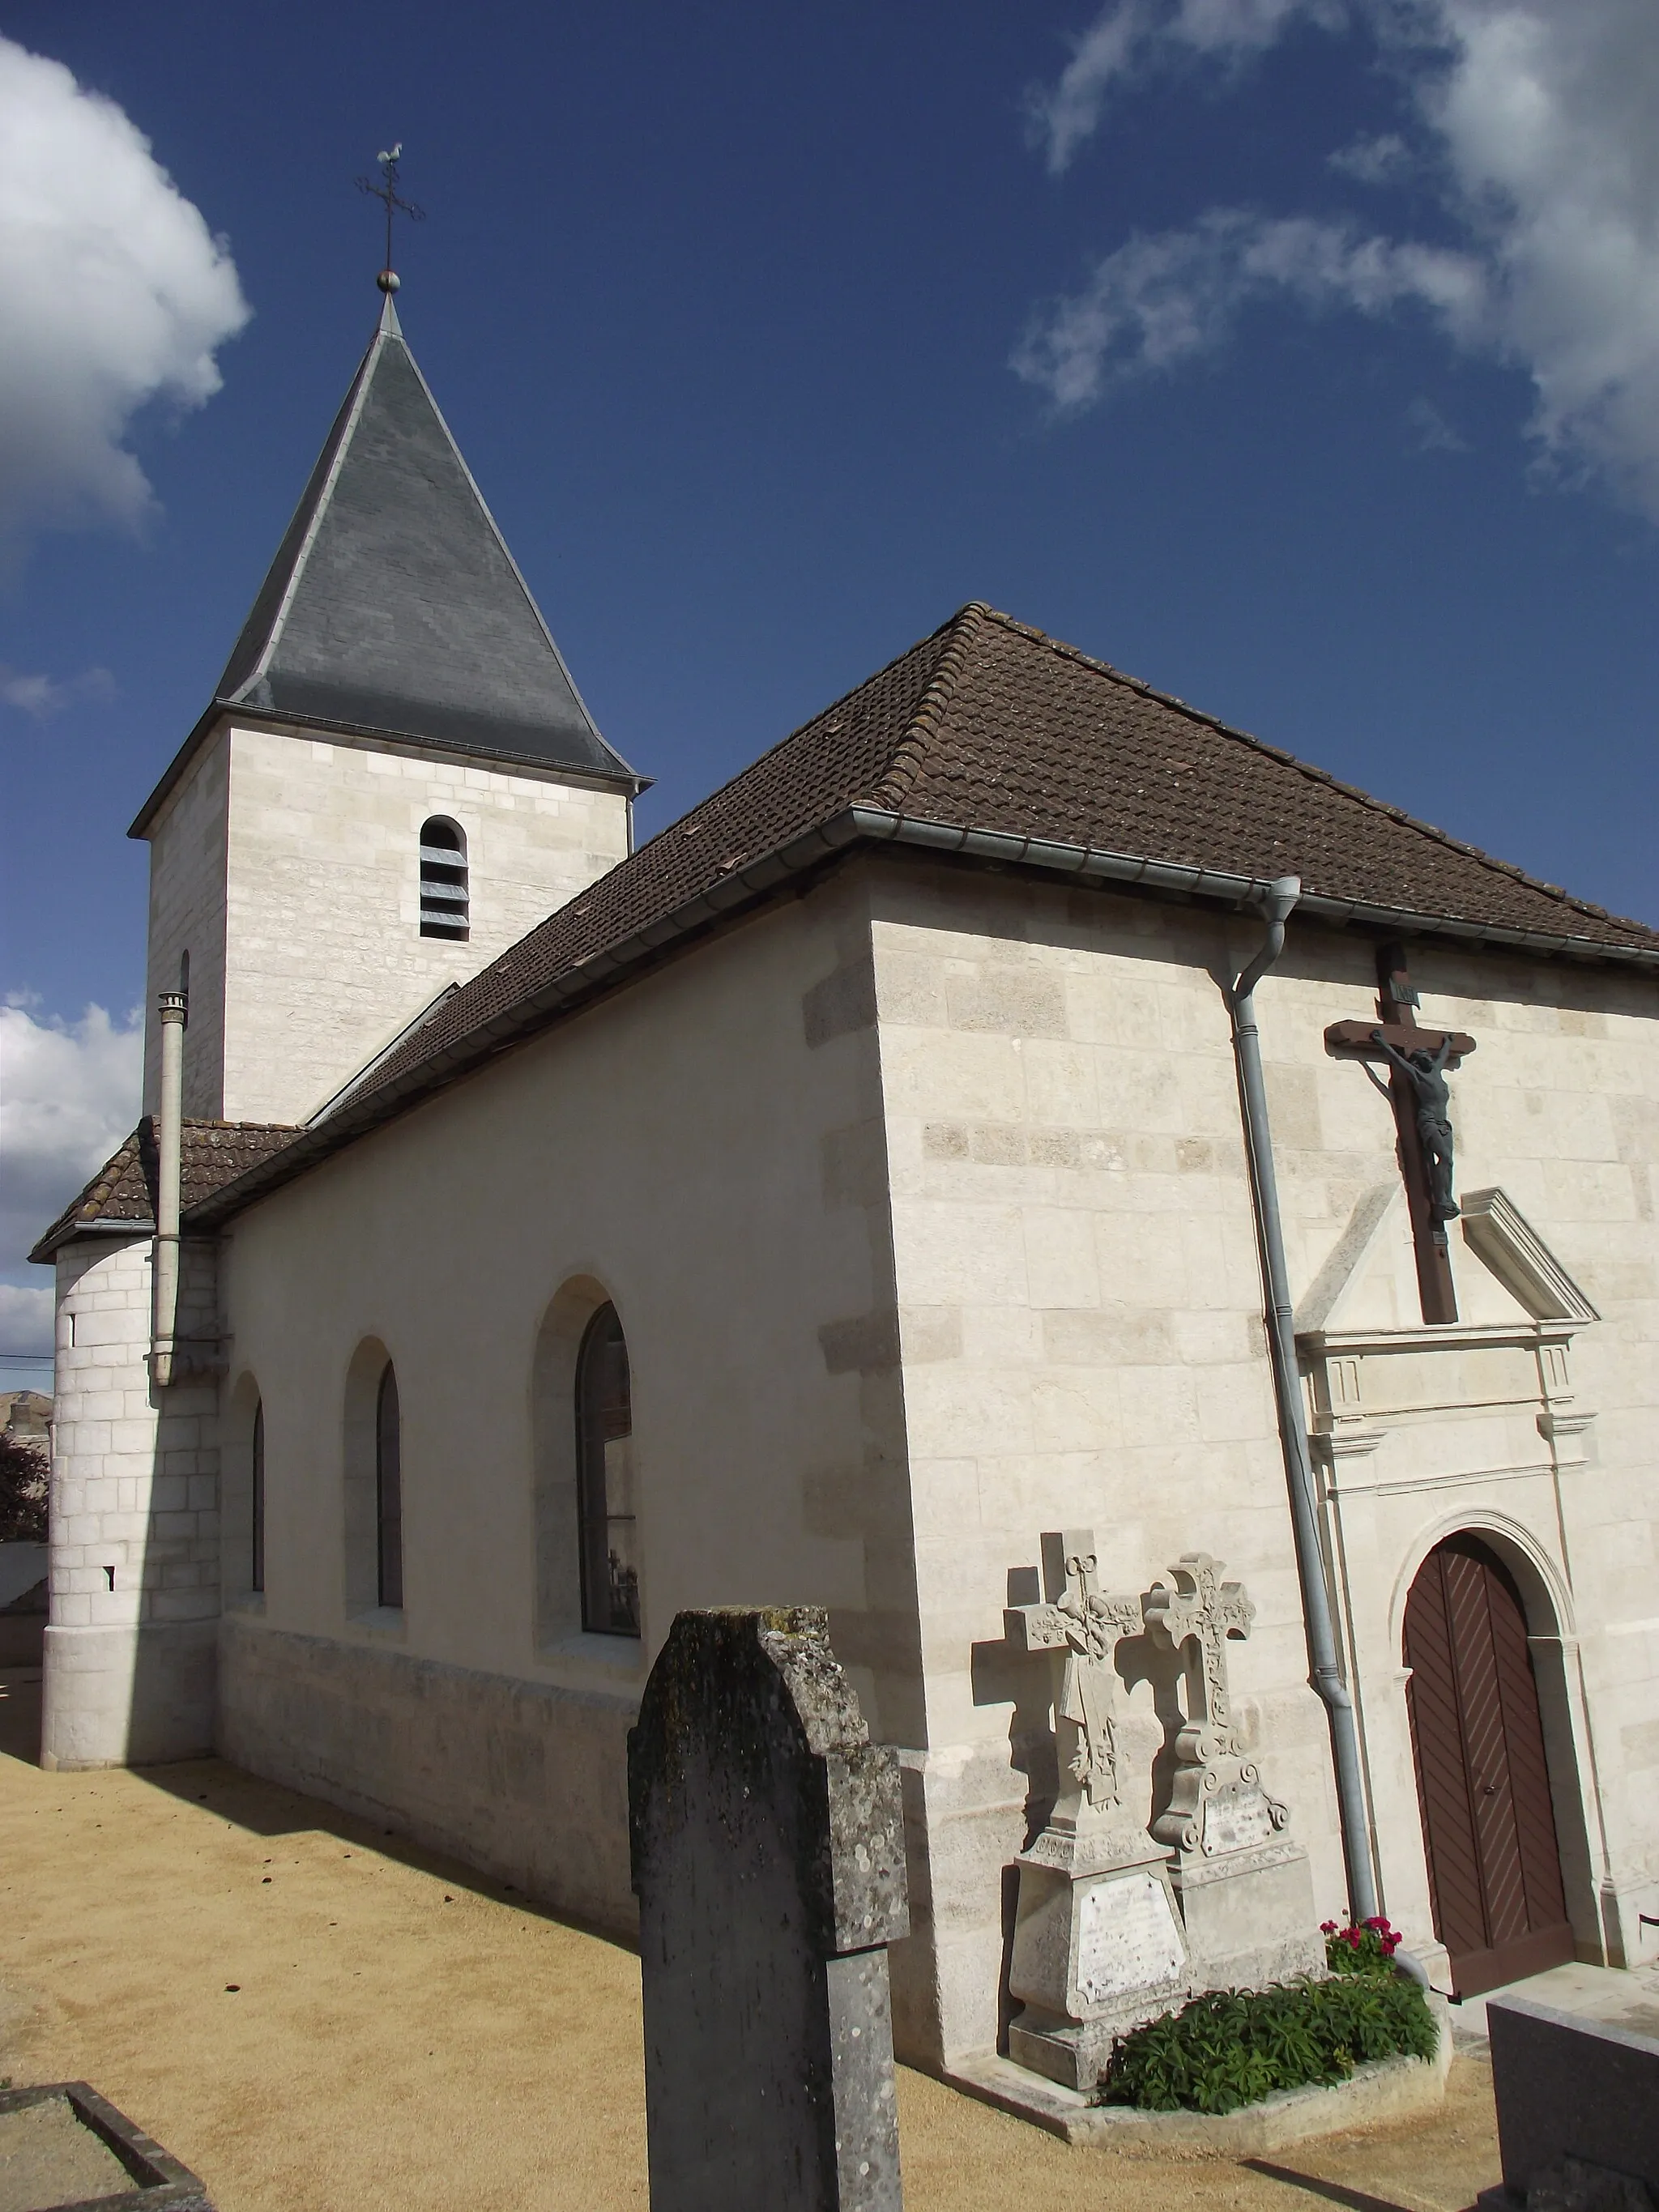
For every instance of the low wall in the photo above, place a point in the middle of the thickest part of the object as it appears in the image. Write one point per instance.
(524, 1781)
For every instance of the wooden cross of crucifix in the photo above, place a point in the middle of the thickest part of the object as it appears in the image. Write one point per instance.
(1198, 1612)
(1078, 1626)
(1417, 1062)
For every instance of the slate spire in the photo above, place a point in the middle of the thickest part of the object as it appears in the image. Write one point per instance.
(394, 605)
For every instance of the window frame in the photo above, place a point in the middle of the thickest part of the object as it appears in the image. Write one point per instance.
(446, 881)
(596, 1428)
(388, 1494)
(256, 1502)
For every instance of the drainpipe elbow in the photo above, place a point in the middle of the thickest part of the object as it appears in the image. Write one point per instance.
(1279, 897)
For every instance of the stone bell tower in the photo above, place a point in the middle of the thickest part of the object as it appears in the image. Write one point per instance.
(396, 778)
(394, 781)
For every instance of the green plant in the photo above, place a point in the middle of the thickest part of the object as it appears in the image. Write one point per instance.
(1364, 1947)
(1234, 2047)
(24, 1473)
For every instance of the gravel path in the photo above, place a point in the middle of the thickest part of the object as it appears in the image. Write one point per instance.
(312, 2014)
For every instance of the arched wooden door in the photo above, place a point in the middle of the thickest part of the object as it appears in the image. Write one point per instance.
(1482, 1782)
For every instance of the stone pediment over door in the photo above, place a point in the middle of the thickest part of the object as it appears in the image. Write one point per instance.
(1372, 1365)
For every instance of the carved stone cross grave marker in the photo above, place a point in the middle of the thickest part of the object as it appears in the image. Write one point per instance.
(1098, 1942)
(1417, 1060)
(1245, 1889)
(1218, 1802)
(1078, 1627)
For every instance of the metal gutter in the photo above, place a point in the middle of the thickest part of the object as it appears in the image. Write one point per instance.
(1325, 1674)
(1215, 883)
(169, 1131)
(106, 1225)
(747, 886)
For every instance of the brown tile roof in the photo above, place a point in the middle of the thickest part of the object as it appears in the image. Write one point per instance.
(987, 729)
(210, 1155)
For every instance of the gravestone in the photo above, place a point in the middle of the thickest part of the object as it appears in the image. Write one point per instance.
(768, 1855)
(1577, 2112)
(1246, 1889)
(1097, 1941)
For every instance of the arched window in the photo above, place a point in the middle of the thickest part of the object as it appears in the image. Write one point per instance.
(388, 1492)
(604, 1486)
(257, 1531)
(445, 905)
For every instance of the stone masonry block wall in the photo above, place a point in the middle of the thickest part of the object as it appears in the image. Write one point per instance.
(1080, 1323)
(704, 1150)
(523, 1780)
(135, 1537)
(324, 956)
(188, 862)
(289, 866)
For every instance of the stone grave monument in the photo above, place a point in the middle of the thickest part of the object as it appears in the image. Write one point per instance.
(1577, 2109)
(1246, 1890)
(1097, 1940)
(768, 1856)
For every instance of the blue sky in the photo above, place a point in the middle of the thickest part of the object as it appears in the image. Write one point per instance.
(1301, 357)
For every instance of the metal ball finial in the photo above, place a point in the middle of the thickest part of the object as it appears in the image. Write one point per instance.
(388, 280)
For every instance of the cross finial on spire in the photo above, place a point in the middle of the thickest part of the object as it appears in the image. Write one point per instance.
(385, 189)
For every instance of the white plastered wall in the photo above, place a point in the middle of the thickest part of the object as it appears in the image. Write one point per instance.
(703, 1148)
(288, 865)
(1079, 1306)
(135, 1536)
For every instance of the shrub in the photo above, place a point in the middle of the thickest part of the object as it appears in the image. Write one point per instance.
(1234, 2047)
(24, 1469)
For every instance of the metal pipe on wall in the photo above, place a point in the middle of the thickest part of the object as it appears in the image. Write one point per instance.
(169, 1133)
(1325, 1675)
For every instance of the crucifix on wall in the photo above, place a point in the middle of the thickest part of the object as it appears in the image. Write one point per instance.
(1417, 1062)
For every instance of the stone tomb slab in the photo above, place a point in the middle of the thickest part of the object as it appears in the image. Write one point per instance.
(1577, 2112)
(63, 2147)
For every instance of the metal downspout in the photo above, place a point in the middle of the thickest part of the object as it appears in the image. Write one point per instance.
(169, 1129)
(1325, 1676)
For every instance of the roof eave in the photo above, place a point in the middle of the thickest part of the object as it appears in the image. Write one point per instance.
(70, 1232)
(622, 778)
(751, 885)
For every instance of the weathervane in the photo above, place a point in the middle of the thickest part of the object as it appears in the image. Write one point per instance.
(386, 190)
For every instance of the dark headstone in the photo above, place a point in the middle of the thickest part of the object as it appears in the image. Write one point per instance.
(1577, 2111)
(768, 1860)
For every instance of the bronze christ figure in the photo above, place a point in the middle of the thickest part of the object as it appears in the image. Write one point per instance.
(1424, 1071)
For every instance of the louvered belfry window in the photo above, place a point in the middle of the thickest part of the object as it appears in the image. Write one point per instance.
(444, 902)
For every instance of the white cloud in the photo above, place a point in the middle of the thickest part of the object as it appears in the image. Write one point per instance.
(25, 1320)
(69, 1093)
(116, 294)
(41, 696)
(1428, 431)
(1379, 161)
(1128, 35)
(1060, 120)
(1537, 115)
(1160, 300)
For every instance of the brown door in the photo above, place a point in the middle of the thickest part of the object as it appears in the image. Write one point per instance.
(1482, 1783)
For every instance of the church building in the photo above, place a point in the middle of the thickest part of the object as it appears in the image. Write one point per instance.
(1020, 1141)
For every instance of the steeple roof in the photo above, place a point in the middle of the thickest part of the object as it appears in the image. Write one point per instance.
(393, 606)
